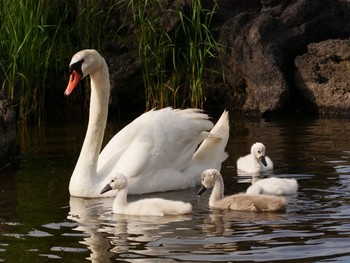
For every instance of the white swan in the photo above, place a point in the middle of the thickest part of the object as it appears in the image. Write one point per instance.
(243, 202)
(274, 186)
(157, 151)
(143, 207)
(256, 161)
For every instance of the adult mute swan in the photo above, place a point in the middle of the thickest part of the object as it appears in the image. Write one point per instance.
(274, 186)
(157, 151)
(243, 202)
(256, 161)
(143, 207)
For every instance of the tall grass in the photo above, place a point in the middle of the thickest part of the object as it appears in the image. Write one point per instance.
(196, 45)
(37, 38)
(173, 61)
(154, 44)
(26, 51)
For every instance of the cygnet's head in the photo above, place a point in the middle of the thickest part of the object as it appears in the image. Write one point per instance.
(258, 151)
(116, 182)
(208, 179)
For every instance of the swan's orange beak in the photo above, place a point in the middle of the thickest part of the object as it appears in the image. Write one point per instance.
(73, 82)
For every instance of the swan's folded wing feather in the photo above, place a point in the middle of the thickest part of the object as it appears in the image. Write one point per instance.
(117, 146)
(163, 138)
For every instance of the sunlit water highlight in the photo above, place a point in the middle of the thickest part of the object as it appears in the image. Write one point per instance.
(40, 222)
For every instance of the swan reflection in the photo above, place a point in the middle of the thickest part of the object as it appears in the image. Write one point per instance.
(85, 212)
(109, 235)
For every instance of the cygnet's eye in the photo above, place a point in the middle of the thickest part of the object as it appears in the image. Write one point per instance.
(259, 152)
(112, 181)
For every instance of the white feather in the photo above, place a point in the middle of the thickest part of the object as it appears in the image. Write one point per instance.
(274, 186)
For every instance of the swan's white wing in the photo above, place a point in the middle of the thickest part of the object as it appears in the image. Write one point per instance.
(123, 144)
(156, 140)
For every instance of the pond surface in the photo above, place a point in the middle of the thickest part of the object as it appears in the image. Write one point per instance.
(40, 222)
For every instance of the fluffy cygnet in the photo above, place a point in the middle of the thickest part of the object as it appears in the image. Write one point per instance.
(256, 161)
(244, 202)
(274, 186)
(143, 207)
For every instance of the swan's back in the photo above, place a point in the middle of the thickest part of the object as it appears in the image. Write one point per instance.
(248, 202)
(274, 186)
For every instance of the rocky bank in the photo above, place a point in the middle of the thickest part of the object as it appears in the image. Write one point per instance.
(266, 60)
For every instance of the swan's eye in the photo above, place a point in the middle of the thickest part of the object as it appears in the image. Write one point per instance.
(112, 181)
(259, 152)
(77, 67)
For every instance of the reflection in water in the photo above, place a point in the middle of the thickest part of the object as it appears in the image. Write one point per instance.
(107, 234)
(219, 222)
(85, 212)
(314, 228)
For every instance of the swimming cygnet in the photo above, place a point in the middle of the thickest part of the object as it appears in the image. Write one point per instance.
(143, 207)
(256, 161)
(244, 202)
(274, 186)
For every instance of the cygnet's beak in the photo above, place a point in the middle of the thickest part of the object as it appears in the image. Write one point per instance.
(202, 190)
(106, 189)
(263, 160)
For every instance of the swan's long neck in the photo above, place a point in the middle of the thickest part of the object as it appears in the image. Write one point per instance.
(85, 175)
(217, 193)
(100, 88)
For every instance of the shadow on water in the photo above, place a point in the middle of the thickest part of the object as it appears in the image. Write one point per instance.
(40, 222)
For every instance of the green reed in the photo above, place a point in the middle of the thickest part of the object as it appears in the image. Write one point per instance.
(25, 47)
(173, 61)
(153, 48)
(195, 44)
(37, 39)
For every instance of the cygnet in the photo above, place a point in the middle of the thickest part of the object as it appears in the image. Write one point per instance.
(143, 207)
(256, 161)
(244, 202)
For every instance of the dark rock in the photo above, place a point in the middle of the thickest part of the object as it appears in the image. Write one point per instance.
(323, 77)
(230, 8)
(260, 40)
(260, 47)
(7, 129)
(126, 80)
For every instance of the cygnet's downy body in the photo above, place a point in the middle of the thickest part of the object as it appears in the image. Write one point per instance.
(143, 207)
(274, 186)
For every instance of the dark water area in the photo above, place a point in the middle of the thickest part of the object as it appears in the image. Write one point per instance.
(40, 222)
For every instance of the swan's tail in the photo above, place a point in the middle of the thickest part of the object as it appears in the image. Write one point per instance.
(211, 153)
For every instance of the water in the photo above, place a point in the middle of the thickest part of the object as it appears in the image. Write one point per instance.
(40, 222)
